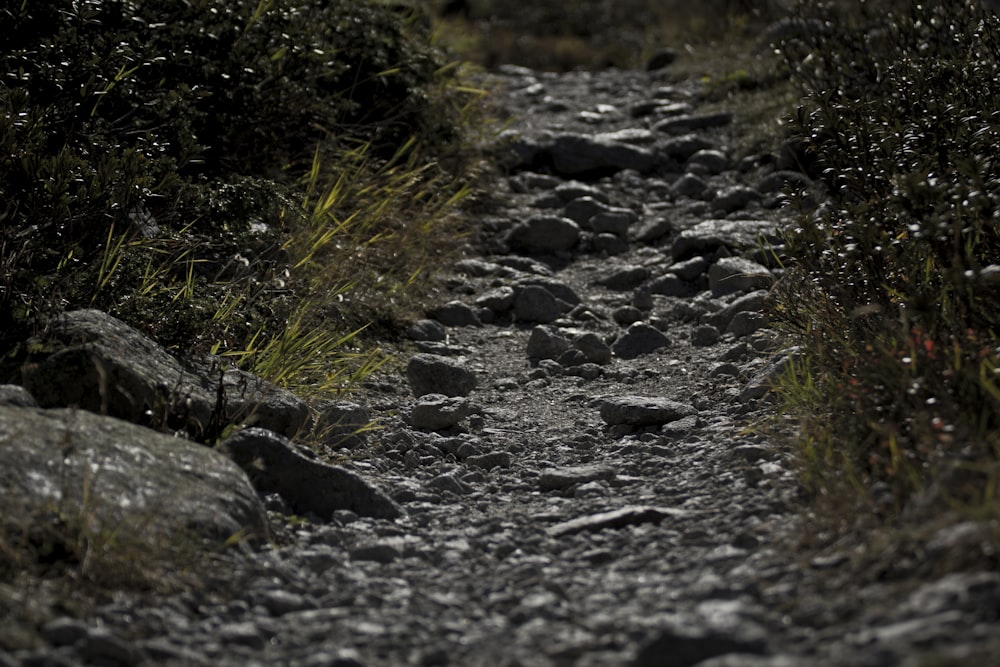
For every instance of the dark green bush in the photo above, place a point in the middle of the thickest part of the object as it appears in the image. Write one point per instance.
(892, 291)
(168, 121)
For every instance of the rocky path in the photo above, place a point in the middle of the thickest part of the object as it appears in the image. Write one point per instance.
(577, 478)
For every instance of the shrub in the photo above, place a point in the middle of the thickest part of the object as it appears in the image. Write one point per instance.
(892, 292)
(153, 154)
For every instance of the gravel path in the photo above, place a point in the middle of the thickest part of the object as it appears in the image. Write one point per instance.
(579, 479)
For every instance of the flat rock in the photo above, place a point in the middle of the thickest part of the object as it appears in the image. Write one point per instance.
(574, 154)
(151, 488)
(556, 479)
(694, 122)
(308, 486)
(643, 411)
(625, 277)
(626, 516)
(434, 374)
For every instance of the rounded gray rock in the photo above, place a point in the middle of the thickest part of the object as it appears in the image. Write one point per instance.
(544, 234)
(638, 340)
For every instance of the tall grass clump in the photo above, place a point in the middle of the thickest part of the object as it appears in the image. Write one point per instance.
(158, 161)
(893, 292)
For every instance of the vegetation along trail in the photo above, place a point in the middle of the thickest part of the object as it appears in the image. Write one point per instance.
(605, 438)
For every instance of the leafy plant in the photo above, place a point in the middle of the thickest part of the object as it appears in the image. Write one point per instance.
(891, 291)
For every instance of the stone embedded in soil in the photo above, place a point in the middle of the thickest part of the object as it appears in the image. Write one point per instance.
(616, 221)
(625, 277)
(456, 314)
(437, 412)
(556, 479)
(593, 348)
(735, 198)
(427, 330)
(711, 161)
(708, 236)
(342, 424)
(683, 147)
(694, 122)
(583, 209)
(544, 234)
(499, 299)
(643, 411)
(687, 647)
(434, 374)
(308, 486)
(736, 274)
(638, 340)
(690, 186)
(574, 154)
(619, 518)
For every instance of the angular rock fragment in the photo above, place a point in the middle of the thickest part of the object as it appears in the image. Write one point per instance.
(734, 198)
(736, 235)
(253, 401)
(434, 374)
(499, 300)
(626, 516)
(437, 412)
(456, 314)
(626, 277)
(546, 343)
(342, 423)
(308, 486)
(643, 411)
(427, 330)
(534, 303)
(594, 349)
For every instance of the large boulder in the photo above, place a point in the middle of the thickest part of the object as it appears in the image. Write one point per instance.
(93, 361)
(108, 476)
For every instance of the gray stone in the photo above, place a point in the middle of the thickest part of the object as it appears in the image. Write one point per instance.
(342, 424)
(705, 335)
(434, 374)
(594, 349)
(16, 396)
(572, 357)
(660, 59)
(570, 190)
(734, 198)
(633, 515)
(638, 340)
(152, 489)
(735, 274)
(490, 460)
(478, 268)
(456, 314)
(710, 160)
(690, 269)
(670, 285)
(251, 401)
(627, 315)
(450, 484)
(544, 234)
(625, 277)
(561, 290)
(546, 343)
(689, 185)
(582, 209)
(246, 633)
(761, 384)
(694, 122)
(736, 235)
(427, 330)
(643, 411)
(499, 300)
(64, 631)
(574, 154)
(384, 552)
(534, 303)
(752, 302)
(436, 412)
(683, 147)
(615, 221)
(745, 323)
(557, 479)
(307, 486)
(100, 364)
(687, 647)
(609, 244)
(639, 136)
(652, 229)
